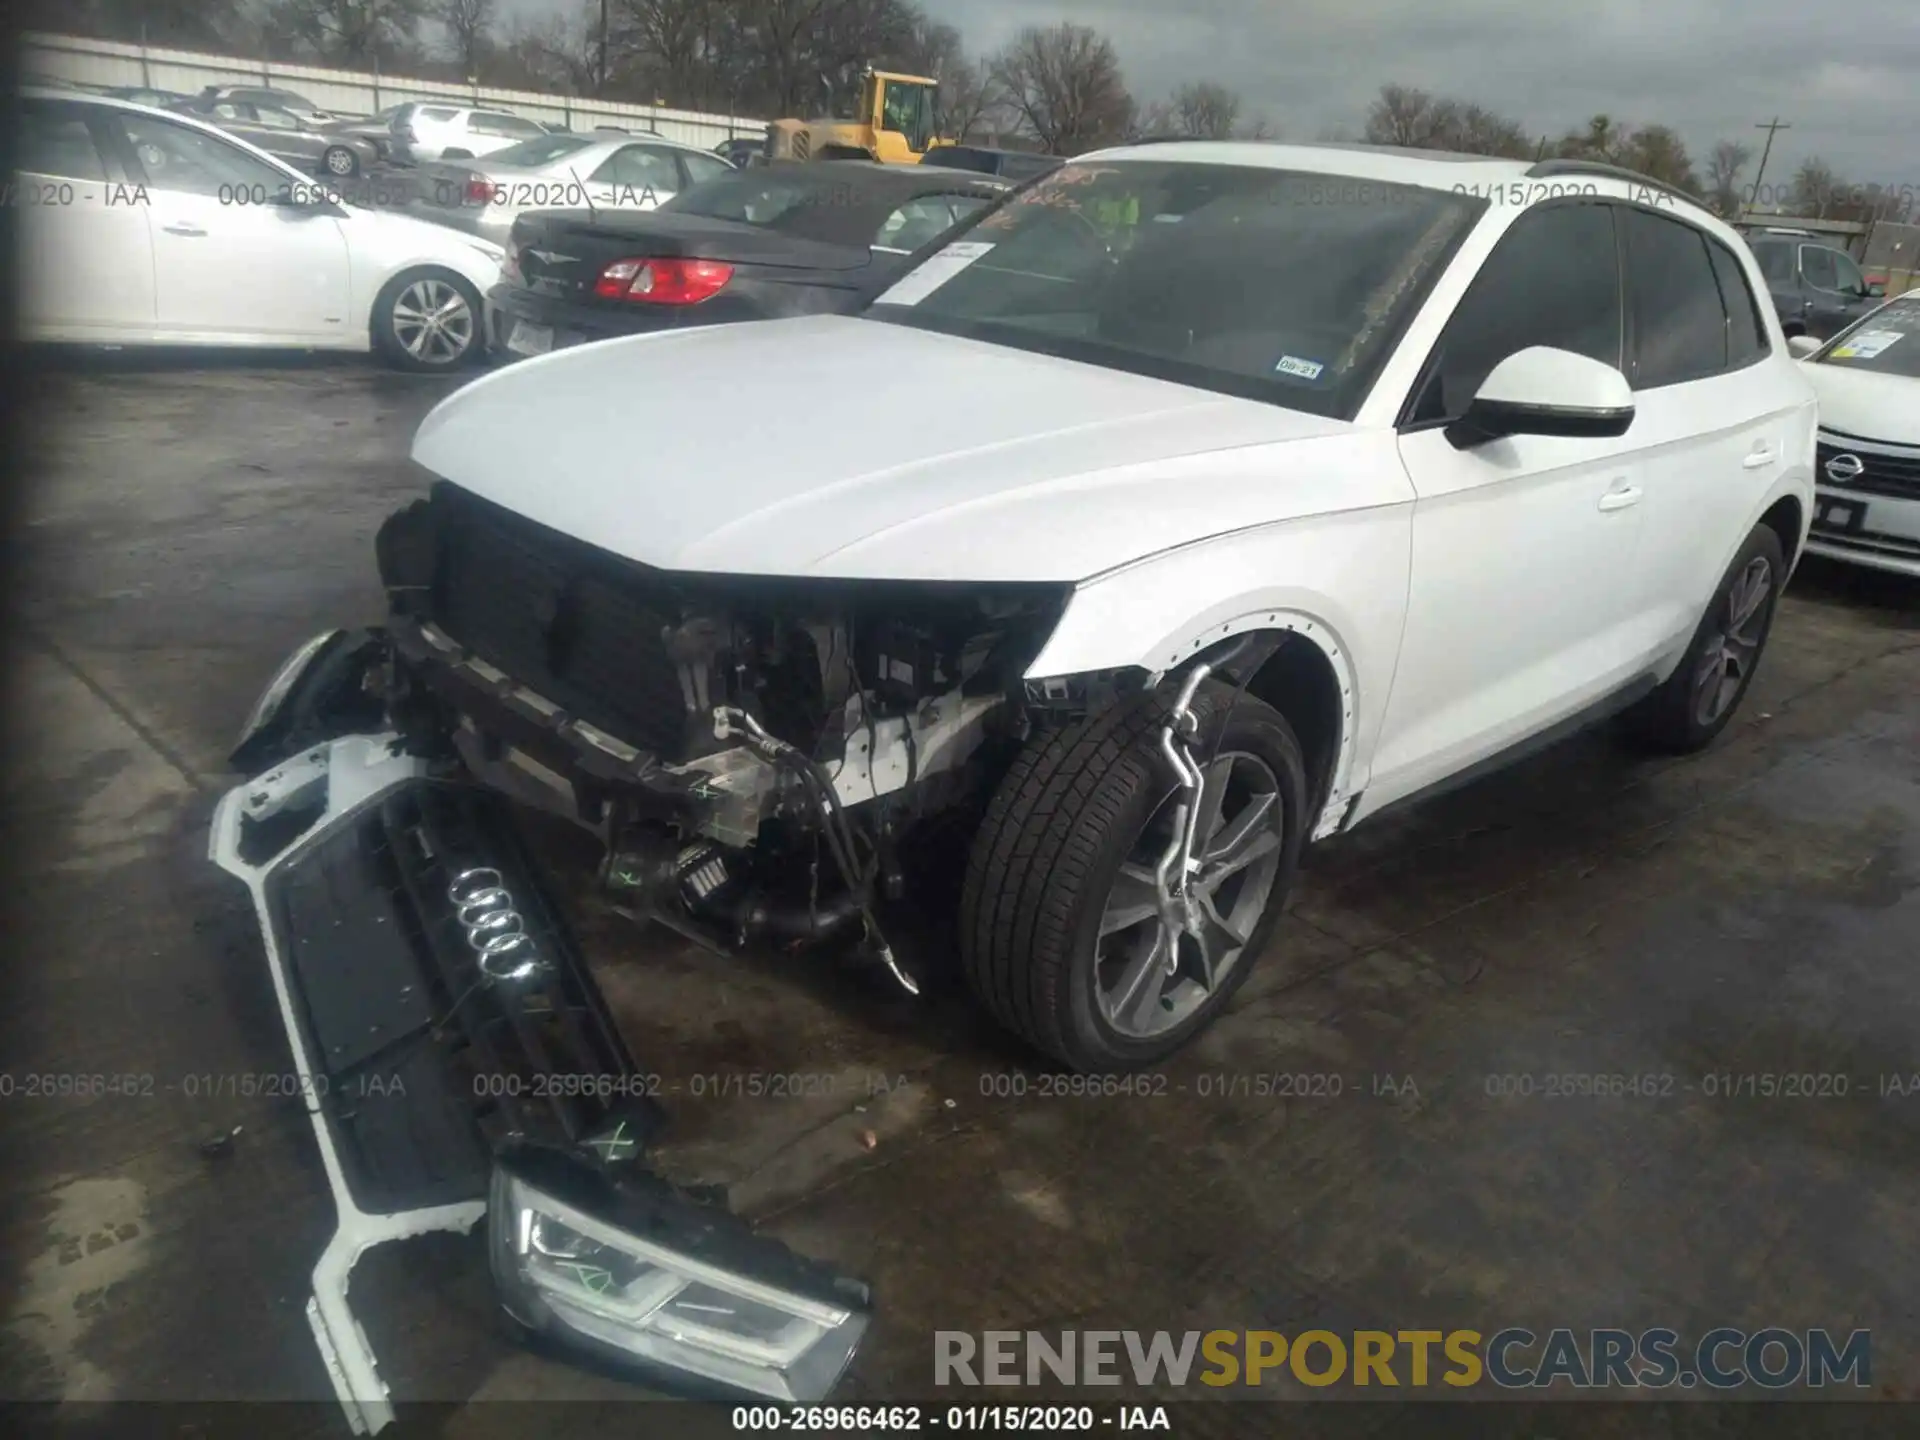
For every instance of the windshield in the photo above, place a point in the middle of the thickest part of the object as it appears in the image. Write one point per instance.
(1887, 341)
(1272, 284)
(541, 151)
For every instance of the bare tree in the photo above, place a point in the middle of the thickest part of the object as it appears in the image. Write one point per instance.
(1401, 115)
(1205, 110)
(1816, 187)
(467, 24)
(1726, 163)
(559, 53)
(1258, 128)
(1657, 151)
(349, 32)
(1064, 83)
(968, 95)
(1602, 140)
(191, 24)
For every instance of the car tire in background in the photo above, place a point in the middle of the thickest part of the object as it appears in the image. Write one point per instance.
(340, 162)
(412, 298)
(1063, 864)
(1698, 700)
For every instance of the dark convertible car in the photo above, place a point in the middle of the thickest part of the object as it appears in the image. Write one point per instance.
(764, 243)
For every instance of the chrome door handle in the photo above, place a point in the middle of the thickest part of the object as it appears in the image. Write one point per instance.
(184, 230)
(1620, 499)
(1762, 456)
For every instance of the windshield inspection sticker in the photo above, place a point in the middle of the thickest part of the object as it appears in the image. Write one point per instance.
(1867, 344)
(1300, 369)
(933, 272)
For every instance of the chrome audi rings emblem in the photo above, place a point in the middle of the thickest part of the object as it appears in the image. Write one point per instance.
(1842, 468)
(494, 928)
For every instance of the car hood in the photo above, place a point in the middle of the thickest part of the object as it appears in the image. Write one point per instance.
(839, 446)
(1866, 404)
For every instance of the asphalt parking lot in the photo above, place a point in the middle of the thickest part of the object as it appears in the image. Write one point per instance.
(1752, 911)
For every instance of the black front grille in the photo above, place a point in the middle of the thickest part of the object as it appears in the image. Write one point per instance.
(577, 625)
(423, 1066)
(1897, 476)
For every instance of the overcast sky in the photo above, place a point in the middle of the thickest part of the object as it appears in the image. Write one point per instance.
(1846, 76)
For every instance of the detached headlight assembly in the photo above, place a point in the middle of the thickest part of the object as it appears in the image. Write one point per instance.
(727, 1314)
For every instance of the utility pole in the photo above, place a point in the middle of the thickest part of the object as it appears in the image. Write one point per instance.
(1770, 126)
(601, 89)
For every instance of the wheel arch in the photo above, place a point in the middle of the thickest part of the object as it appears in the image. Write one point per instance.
(1297, 663)
(1787, 518)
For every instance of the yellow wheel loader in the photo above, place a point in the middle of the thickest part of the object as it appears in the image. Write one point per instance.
(893, 123)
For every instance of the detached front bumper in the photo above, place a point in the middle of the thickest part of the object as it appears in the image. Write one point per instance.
(458, 1063)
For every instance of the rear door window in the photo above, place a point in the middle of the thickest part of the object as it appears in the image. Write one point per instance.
(54, 140)
(1746, 334)
(704, 167)
(640, 167)
(1679, 324)
(492, 122)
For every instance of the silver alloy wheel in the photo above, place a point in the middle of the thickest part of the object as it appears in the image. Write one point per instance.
(433, 321)
(341, 161)
(1731, 650)
(1151, 974)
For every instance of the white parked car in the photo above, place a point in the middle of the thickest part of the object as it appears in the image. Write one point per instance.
(426, 131)
(139, 227)
(1204, 500)
(559, 172)
(1868, 381)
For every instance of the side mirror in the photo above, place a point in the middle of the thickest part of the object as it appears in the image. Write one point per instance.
(1801, 346)
(1875, 290)
(1546, 391)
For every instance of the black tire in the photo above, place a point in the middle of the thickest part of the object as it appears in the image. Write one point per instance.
(330, 166)
(1676, 718)
(389, 341)
(1062, 822)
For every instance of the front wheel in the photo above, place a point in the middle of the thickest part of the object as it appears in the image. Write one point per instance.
(1698, 700)
(1062, 935)
(427, 320)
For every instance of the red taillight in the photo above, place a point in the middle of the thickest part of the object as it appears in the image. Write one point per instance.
(479, 190)
(663, 282)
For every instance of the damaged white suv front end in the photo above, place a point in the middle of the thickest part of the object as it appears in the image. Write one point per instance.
(1167, 538)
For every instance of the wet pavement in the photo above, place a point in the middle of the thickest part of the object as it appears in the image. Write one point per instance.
(1749, 912)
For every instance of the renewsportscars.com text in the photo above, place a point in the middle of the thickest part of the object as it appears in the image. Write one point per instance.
(1513, 1358)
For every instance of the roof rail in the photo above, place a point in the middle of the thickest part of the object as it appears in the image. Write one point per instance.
(1545, 168)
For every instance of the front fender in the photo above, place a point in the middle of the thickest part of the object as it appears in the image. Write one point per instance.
(1339, 581)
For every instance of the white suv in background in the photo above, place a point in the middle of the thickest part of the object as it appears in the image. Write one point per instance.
(424, 131)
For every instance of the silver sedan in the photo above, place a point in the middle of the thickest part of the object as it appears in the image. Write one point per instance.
(559, 172)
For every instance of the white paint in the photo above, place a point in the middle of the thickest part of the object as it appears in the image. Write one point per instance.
(356, 772)
(177, 268)
(1467, 599)
(98, 1237)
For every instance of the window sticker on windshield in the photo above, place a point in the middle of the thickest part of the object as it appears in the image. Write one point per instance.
(1300, 369)
(933, 272)
(1867, 344)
